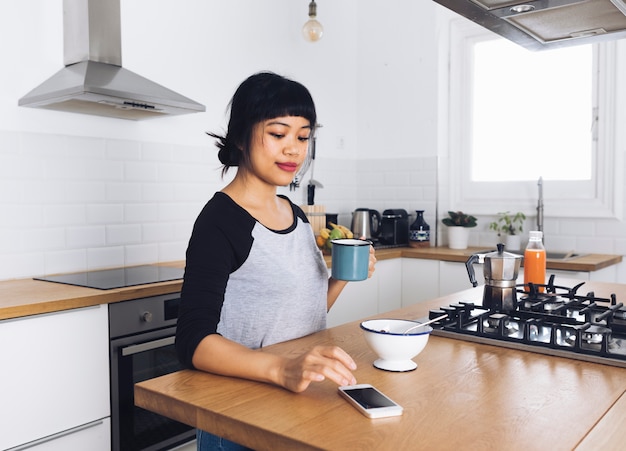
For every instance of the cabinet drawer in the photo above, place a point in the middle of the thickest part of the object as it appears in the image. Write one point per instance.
(55, 373)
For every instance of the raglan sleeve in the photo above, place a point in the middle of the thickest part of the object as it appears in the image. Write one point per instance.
(209, 261)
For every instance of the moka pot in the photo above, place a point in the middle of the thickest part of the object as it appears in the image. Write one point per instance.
(500, 270)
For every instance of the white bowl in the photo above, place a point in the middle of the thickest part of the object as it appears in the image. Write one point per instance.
(394, 348)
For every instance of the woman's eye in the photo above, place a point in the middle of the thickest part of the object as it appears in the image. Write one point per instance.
(277, 135)
(303, 138)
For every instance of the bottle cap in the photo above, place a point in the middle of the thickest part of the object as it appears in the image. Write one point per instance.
(535, 235)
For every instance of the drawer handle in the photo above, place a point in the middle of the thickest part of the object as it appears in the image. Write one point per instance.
(56, 436)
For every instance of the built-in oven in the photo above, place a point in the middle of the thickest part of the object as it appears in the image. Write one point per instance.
(142, 333)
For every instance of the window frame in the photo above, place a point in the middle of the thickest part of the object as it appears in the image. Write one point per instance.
(602, 197)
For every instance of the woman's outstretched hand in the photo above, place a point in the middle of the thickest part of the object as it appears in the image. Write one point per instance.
(321, 362)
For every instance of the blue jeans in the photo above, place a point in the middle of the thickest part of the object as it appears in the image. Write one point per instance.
(210, 442)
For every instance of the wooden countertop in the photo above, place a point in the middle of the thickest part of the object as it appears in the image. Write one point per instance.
(586, 262)
(23, 297)
(463, 395)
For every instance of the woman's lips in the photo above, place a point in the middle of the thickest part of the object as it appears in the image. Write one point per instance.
(290, 167)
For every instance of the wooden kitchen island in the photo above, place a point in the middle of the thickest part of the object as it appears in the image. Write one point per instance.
(463, 395)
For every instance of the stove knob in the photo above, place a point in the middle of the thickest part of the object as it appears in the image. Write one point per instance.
(146, 317)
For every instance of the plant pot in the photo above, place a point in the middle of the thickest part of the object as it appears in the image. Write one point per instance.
(513, 243)
(458, 237)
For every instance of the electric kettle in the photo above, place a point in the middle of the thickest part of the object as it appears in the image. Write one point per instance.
(365, 223)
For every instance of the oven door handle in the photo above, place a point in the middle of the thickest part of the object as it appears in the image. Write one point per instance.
(143, 347)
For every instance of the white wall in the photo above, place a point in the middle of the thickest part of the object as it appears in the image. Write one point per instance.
(80, 192)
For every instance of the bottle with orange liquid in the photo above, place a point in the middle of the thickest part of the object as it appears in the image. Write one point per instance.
(535, 260)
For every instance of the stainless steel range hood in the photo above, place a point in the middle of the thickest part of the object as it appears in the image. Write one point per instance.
(546, 24)
(93, 80)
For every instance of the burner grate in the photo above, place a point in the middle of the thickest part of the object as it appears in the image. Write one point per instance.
(548, 319)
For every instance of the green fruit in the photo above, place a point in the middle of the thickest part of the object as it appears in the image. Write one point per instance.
(335, 234)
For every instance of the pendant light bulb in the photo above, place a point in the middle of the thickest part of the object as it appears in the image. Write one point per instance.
(312, 29)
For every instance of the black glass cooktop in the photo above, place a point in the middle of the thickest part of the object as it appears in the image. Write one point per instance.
(108, 279)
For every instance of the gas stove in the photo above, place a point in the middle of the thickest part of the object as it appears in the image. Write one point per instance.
(547, 319)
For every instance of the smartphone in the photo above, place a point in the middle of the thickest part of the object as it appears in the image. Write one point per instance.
(369, 401)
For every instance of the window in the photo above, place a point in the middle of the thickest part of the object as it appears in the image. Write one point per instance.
(533, 104)
(516, 115)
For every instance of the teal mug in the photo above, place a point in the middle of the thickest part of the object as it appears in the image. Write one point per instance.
(350, 259)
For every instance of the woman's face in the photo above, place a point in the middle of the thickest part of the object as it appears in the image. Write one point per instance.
(278, 149)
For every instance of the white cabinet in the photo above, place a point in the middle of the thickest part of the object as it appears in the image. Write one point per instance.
(380, 293)
(389, 275)
(420, 280)
(400, 282)
(55, 377)
(453, 277)
(357, 300)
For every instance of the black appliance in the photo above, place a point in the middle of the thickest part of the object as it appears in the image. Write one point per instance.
(142, 333)
(107, 279)
(394, 227)
(546, 319)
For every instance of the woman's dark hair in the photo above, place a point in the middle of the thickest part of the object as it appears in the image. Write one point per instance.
(261, 96)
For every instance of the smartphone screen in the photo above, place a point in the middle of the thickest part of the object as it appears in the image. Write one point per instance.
(369, 401)
(369, 397)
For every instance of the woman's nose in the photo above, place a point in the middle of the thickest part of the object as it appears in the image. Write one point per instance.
(292, 148)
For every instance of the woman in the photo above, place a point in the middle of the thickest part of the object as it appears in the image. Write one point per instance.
(254, 275)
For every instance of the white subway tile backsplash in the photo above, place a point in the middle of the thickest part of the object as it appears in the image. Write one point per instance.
(609, 227)
(140, 171)
(105, 257)
(21, 217)
(194, 154)
(396, 179)
(105, 213)
(64, 214)
(43, 145)
(10, 191)
(157, 192)
(43, 239)
(152, 151)
(20, 167)
(197, 192)
(424, 178)
(123, 192)
(157, 232)
(103, 170)
(174, 212)
(9, 142)
(580, 227)
(173, 251)
(139, 254)
(123, 234)
(73, 203)
(9, 240)
(121, 149)
(85, 148)
(43, 191)
(141, 213)
(66, 261)
(598, 245)
(176, 172)
(85, 192)
(85, 237)
(21, 264)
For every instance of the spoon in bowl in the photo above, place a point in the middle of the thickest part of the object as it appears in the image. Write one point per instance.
(434, 320)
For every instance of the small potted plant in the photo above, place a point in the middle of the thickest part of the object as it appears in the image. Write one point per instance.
(458, 224)
(509, 225)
